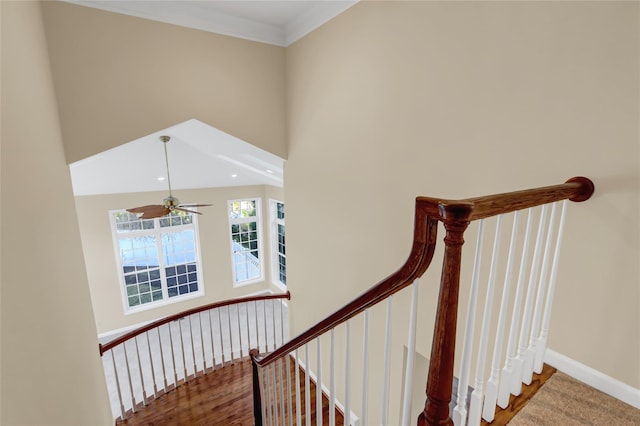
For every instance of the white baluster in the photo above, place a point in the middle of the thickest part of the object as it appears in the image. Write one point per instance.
(126, 362)
(387, 361)
(273, 322)
(246, 311)
(298, 397)
(164, 372)
(115, 371)
(318, 384)
(477, 396)
(233, 359)
(460, 411)
(263, 395)
(144, 391)
(204, 358)
(281, 321)
(255, 309)
(411, 349)
(281, 387)
(526, 362)
(193, 348)
(491, 395)
(268, 370)
(365, 368)
(264, 314)
(240, 331)
(153, 372)
(307, 387)
(542, 339)
(213, 350)
(173, 357)
(289, 400)
(332, 381)
(537, 313)
(184, 358)
(347, 376)
(221, 339)
(510, 382)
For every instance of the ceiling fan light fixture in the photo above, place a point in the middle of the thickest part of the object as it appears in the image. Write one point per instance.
(170, 203)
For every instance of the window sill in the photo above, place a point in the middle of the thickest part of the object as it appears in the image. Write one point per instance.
(161, 303)
(248, 282)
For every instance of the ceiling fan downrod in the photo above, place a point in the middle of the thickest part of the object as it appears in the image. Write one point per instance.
(165, 139)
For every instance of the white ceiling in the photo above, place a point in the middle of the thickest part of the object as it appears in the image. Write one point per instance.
(200, 156)
(274, 22)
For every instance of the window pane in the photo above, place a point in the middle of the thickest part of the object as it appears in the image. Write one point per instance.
(129, 222)
(146, 246)
(244, 237)
(243, 209)
(176, 218)
(178, 247)
(279, 243)
(282, 265)
(140, 252)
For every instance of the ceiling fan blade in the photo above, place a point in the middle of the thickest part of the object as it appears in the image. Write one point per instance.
(151, 211)
(195, 205)
(186, 210)
(143, 209)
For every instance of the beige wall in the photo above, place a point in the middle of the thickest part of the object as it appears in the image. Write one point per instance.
(387, 101)
(119, 78)
(51, 370)
(391, 100)
(213, 224)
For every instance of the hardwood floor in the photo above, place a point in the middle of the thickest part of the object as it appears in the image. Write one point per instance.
(223, 397)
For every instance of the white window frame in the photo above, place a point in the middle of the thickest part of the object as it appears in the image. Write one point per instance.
(275, 254)
(258, 220)
(157, 231)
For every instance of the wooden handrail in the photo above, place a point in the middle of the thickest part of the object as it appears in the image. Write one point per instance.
(456, 216)
(424, 242)
(130, 335)
(575, 189)
(428, 212)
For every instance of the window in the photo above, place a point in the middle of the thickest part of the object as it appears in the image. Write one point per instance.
(244, 221)
(279, 257)
(158, 258)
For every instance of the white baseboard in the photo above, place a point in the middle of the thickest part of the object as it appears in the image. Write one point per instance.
(594, 378)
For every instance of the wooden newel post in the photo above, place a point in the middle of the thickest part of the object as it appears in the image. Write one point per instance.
(257, 398)
(440, 380)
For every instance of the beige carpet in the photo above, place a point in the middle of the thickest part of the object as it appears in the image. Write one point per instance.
(565, 401)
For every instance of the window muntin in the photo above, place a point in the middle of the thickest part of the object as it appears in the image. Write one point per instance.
(244, 222)
(159, 258)
(279, 257)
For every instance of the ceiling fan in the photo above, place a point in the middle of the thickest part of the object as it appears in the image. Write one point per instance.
(170, 203)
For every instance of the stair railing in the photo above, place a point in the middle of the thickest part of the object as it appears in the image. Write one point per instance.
(154, 359)
(456, 217)
(282, 393)
(275, 405)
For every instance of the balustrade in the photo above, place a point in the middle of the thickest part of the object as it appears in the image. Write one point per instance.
(156, 358)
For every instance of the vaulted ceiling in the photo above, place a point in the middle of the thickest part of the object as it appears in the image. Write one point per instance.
(200, 155)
